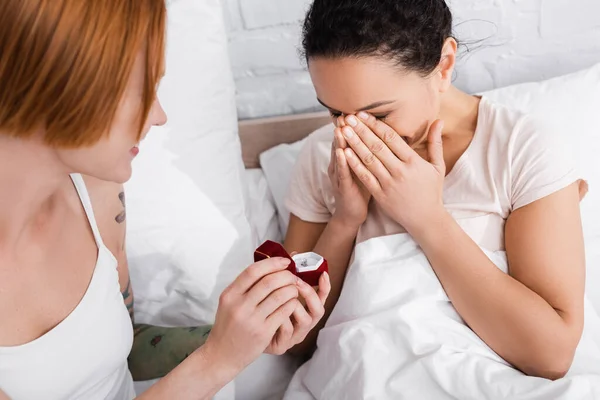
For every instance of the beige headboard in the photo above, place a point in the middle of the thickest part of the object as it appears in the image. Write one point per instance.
(258, 135)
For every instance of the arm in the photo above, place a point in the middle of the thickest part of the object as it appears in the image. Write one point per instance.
(533, 318)
(335, 242)
(200, 376)
(254, 316)
(158, 350)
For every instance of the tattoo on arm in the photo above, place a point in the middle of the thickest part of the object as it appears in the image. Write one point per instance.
(121, 217)
(128, 298)
(157, 350)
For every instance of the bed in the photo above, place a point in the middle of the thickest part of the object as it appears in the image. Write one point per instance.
(195, 215)
(269, 149)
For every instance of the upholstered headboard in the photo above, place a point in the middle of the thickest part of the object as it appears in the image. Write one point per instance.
(259, 135)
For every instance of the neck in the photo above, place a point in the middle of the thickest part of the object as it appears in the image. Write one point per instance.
(31, 178)
(459, 111)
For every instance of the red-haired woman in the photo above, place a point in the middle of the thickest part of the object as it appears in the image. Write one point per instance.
(77, 94)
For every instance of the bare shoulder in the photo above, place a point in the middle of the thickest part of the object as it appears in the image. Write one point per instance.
(108, 202)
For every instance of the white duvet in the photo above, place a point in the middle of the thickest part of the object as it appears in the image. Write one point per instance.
(395, 335)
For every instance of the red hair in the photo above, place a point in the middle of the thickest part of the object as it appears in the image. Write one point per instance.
(65, 65)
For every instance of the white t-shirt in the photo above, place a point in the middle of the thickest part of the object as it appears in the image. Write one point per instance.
(512, 161)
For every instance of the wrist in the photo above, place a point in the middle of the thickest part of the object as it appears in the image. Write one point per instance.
(429, 229)
(222, 369)
(344, 223)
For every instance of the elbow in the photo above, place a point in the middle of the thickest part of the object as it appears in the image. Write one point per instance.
(552, 355)
(556, 374)
(554, 370)
(552, 362)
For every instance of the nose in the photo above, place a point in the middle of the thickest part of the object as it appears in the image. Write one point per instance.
(159, 115)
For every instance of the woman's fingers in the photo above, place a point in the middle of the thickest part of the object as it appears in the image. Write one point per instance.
(277, 299)
(364, 175)
(369, 156)
(341, 142)
(281, 315)
(256, 272)
(292, 333)
(302, 320)
(392, 140)
(435, 146)
(324, 287)
(303, 323)
(375, 145)
(284, 336)
(305, 320)
(314, 303)
(336, 139)
(345, 178)
(268, 285)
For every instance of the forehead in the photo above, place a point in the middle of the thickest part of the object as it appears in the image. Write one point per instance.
(349, 84)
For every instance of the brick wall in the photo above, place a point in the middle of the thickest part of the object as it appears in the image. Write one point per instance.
(510, 41)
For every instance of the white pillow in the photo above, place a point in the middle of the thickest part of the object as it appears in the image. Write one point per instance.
(278, 164)
(262, 212)
(187, 233)
(571, 103)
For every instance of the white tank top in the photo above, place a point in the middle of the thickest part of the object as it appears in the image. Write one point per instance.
(85, 356)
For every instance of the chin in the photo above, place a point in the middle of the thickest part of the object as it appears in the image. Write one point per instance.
(122, 176)
(119, 176)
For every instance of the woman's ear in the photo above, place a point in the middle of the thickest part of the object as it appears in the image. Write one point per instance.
(447, 64)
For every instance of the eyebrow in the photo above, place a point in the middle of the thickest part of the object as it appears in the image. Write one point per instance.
(367, 108)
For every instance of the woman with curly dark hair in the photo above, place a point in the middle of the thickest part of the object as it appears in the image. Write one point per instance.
(412, 153)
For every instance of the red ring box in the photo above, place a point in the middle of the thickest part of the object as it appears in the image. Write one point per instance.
(307, 266)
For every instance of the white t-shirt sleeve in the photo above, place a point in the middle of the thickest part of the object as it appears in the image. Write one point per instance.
(541, 163)
(309, 185)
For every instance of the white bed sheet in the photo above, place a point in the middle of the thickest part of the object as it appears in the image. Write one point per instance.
(266, 379)
(395, 335)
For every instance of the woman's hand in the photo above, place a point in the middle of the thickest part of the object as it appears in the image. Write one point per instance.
(351, 197)
(251, 310)
(294, 331)
(407, 187)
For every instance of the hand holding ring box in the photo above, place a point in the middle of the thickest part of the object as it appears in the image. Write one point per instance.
(307, 266)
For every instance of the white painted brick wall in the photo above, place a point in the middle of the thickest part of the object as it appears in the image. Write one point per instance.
(511, 41)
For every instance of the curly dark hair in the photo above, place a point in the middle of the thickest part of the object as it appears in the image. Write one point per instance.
(410, 32)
